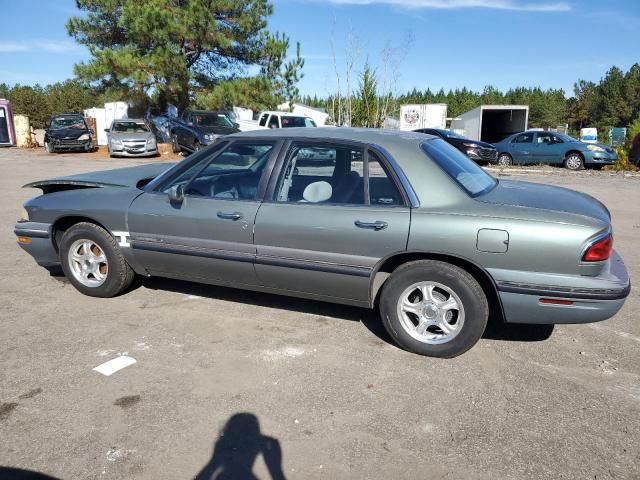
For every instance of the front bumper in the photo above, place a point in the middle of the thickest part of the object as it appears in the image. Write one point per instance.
(489, 155)
(126, 152)
(72, 145)
(598, 300)
(601, 158)
(35, 239)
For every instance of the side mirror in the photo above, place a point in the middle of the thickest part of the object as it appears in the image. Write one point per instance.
(176, 194)
(106, 130)
(236, 125)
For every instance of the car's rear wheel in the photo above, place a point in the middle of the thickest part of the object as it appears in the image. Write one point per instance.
(434, 308)
(574, 161)
(49, 147)
(504, 160)
(175, 146)
(92, 261)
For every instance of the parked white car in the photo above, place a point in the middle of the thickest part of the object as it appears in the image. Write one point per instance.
(274, 119)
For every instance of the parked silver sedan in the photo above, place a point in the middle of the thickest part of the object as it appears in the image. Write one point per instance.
(131, 137)
(398, 221)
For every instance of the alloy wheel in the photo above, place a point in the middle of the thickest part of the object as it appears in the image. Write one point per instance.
(88, 263)
(431, 312)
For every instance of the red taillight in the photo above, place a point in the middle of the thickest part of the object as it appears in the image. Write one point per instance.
(599, 251)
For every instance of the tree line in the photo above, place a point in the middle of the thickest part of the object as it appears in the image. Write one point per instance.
(216, 54)
(614, 101)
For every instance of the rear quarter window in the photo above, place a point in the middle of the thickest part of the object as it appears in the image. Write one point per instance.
(459, 167)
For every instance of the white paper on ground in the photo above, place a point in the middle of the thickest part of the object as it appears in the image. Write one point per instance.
(112, 366)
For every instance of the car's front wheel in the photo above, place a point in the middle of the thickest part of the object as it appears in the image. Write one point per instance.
(49, 147)
(574, 161)
(92, 261)
(504, 160)
(434, 308)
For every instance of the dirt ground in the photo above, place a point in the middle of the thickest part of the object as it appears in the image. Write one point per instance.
(280, 387)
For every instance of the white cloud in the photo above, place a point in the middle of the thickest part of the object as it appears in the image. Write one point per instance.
(40, 45)
(56, 46)
(529, 6)
(11, 47)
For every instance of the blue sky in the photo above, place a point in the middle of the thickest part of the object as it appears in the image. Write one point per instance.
(436, 43)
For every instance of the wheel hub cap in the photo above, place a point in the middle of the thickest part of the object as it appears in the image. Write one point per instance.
(88, 263)
(431, 312)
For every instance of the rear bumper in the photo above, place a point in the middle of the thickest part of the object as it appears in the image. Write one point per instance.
(534, 303)
(35, 239)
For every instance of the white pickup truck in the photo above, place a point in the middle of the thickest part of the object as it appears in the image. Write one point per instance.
(273, 119)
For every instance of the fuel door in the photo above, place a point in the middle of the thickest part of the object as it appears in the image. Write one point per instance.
(492, 241)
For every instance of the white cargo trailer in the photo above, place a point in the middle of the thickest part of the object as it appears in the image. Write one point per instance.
(430, 115)
(491, 123)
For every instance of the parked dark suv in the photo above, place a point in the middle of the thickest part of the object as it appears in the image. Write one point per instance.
(480, 152)
(68, 132)
(195, 129)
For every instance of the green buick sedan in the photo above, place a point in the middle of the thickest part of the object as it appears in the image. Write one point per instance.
(552, 149)
(399, 222)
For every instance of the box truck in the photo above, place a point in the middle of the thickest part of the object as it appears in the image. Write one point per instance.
(431, 115)
(491, 123)
(589, 135)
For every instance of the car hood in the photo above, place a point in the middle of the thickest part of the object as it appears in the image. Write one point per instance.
(67, 133)
(131, 136)
(119, 177)
(460, 141)
(218, 130)
(546, 197)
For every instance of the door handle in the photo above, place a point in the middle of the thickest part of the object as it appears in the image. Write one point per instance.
(377, 225)
(230, 216)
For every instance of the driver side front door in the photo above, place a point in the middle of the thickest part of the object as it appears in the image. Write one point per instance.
(208, 235)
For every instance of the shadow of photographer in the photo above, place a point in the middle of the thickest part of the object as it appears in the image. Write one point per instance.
(238, 446)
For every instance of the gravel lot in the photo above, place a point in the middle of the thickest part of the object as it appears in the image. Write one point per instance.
(322, 381)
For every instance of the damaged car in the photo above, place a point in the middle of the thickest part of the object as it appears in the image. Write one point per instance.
(68, 132)
(401, 222)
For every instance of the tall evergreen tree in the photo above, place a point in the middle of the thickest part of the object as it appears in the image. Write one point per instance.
(173, 47)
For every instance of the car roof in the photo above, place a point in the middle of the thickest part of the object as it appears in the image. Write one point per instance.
(285, 114)
(375, 136)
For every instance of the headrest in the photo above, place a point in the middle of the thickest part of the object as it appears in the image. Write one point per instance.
(317, 192)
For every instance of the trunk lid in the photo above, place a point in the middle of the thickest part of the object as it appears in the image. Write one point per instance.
(546, 197)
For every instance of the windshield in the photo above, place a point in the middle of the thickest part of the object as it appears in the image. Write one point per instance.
(67, 122)
(219, 120)
(459, 167)
(288, 122)
(450, 134)
(130, 127)
(566, 138)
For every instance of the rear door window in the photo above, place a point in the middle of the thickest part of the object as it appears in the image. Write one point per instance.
(322, 174)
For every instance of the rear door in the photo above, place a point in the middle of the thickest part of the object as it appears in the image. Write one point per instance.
(332, 213)
(521, 148)
(208, 236)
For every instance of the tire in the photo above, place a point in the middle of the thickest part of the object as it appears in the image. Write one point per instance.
(175, 146)
(449, 285)
(505, 160)
(112, 276)
(574, 161)
(49, 148)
